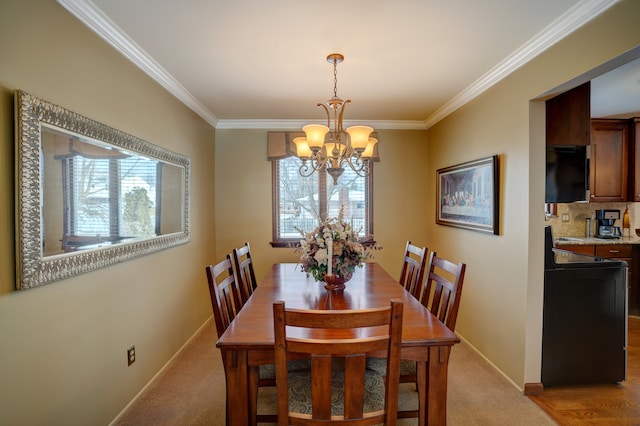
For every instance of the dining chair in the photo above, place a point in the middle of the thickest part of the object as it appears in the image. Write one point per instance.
(413, 268)
(443, 289)
(224, 292)
(226, 303)
(412, 279)
(245, 275)
(339, 388)
(441, 296)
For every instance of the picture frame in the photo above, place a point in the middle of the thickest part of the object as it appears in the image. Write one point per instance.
(468, 195)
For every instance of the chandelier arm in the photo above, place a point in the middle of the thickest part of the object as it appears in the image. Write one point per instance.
(305, 170)
(363, 171)
(328, 114)
(316, 165)
(344, 104)
(319, 161)
(359, 165)
(348, 148)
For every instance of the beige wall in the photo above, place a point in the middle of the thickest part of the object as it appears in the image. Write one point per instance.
(64, 344)
(243, 196)
(501, 308)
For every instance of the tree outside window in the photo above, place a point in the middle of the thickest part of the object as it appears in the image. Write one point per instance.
(300, 203)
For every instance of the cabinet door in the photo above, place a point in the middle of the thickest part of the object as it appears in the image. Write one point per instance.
(614, 251)
(609, 160)
(568, 117)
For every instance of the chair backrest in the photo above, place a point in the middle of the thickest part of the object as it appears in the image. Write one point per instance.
(246, 277)
(347, 356)
(443, 289)
(413, 268)
(225, 297)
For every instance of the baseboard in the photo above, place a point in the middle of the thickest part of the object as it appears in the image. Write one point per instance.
(155, 376)
(481, 355)
(533, 389)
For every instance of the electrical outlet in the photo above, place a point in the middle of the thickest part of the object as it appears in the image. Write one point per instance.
(565, 217)
(131, 355)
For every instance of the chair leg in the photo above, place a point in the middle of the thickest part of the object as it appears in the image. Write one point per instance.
(254, 379)
(254, 385)
(421, 384)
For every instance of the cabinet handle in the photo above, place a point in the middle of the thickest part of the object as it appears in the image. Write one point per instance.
(614, 251)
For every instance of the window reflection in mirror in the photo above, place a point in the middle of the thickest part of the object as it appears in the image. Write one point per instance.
(96, 195)
(89, 196)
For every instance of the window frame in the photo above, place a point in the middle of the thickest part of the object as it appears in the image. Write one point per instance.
(323, 180)
(115, 189)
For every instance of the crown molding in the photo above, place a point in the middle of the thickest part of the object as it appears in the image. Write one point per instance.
(297, 124)
(89, 14)
(574, 18)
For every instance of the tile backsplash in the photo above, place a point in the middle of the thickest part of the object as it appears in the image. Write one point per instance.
(579, 212)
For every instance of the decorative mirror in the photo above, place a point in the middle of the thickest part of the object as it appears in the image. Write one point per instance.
(89, 196)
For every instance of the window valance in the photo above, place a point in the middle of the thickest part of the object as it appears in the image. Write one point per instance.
(67, 147)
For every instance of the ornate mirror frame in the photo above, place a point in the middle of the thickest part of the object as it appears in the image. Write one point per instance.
(34, 266)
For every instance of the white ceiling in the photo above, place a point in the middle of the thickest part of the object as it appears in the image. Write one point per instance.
(257, 63)
(616, 94)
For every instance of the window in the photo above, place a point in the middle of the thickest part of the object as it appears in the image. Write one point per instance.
(299, 203)
(93, 182)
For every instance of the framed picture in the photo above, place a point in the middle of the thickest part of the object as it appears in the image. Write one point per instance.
(468, 195)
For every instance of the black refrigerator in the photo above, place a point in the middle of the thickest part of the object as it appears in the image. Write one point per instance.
(584, 333)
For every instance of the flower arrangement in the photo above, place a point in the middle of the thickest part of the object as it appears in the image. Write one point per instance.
(334, 236)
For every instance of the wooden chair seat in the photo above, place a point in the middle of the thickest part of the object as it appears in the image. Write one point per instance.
(300, 399)
(268, 371)
(407, 368)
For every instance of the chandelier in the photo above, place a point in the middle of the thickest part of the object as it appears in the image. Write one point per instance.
(332, 147)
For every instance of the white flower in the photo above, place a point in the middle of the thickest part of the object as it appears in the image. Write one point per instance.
(348, 253)
(321, 256)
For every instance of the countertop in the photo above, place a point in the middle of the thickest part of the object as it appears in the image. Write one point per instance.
(560, 241)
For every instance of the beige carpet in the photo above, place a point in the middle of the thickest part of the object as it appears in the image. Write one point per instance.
(191, 391)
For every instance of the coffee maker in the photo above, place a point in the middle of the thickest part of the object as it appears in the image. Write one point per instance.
(605, 221)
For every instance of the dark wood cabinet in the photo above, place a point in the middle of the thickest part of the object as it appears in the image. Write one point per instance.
(609, 160)
(634, 166)
(588, 249)
(568, 117)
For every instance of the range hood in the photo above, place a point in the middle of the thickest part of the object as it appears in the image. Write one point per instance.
(567, 174)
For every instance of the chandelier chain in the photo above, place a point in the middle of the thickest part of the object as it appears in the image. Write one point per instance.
(335, 78)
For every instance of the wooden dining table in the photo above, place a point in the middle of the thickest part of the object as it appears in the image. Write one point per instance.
(248, 341)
